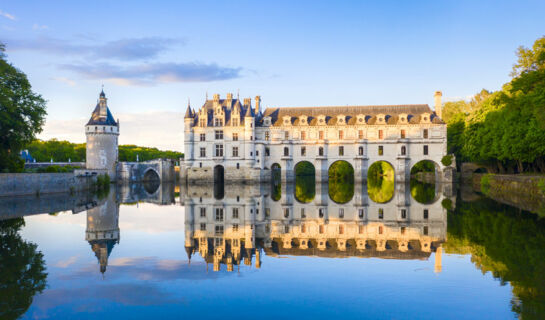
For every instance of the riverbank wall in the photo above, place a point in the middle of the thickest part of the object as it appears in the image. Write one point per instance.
(24, 184)
(522, 191)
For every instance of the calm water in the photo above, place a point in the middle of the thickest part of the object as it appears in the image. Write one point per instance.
(163, 251)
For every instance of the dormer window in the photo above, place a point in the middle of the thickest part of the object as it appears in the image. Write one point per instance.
(425, 117)
(218, 122)
(403, 118)
(340, 119)
(303, 120)
(286, 120)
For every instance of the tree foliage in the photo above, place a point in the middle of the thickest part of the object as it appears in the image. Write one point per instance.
(22, 114)
(504, 129)
(62, 151)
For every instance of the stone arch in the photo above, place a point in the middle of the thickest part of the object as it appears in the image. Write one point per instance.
(219, 174)
(341, 181)
(381, 181)
(469, 168)
(426, 165)
(305, 181)
(276, 182)
(151, 175)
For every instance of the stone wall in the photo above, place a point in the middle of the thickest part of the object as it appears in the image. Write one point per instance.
(19, 184)
(521, 191)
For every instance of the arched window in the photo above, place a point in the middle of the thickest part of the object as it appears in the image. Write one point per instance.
(286, 151)
(321, 151)
(360, 151)
(403, 150)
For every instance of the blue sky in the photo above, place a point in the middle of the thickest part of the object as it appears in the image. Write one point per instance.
(154, 56)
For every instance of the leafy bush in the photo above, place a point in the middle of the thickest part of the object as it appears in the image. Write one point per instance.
(447, 204)
(485, 183)
(447, 160)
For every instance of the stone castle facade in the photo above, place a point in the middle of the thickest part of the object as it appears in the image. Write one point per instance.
(242, 142)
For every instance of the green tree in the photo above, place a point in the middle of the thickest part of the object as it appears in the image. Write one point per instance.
(22, 114)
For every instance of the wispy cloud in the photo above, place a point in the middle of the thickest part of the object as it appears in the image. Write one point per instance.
(152, 73)
(64, 80)
(123, 49)
(40, 27)
(7, 15)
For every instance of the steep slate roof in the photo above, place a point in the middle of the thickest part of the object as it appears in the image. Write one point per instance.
(227, 109)
(391, 113)
(97, 120)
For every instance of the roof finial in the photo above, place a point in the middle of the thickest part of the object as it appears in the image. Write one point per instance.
(238, 94)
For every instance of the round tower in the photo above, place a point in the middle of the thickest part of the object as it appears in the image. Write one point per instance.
(102, 133)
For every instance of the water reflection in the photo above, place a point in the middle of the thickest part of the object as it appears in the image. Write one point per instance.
(423, 192)
(248, 221)
(381, 182)
(305, 182)
(341, 181)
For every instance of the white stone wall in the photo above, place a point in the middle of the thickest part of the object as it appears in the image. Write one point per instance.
(252, 147)
(102, 148)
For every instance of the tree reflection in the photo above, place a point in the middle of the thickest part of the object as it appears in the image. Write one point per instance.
(422, 192)
(276, 183)
(305, 182)
(381, 182)
(341, 181)
(507, 242)
(22, 270)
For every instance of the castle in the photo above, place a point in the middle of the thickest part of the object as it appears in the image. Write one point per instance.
(231, 139)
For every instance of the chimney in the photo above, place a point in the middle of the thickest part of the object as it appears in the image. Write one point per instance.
(216, 97)
(438, 104)
(257, 104)
(247, 102)
(229, 98)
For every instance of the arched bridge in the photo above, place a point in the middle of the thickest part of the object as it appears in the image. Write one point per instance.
(161, 170)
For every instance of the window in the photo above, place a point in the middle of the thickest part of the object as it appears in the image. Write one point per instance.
(341, 134)
(202, 122)
(286, 151)
(218, 122)
(219, 134)
(321, 212)
(235, 122)
(267, 135)
(203, 226)
(380, 230)
(238, 165)
(235, 213)
(234, 242)
(426, 150)
(235, 151)
(303, 151)
(286, 229)
(219, 214)
(321, 135)
(203, 152)
(380, 150)
(235, 227)
(403, 150)
(341, 229)
(426, 230)
(303, 135)
(425, 133)
(403, 213)
(321, 228)
(267, 152)
(200, 164)
(219, 150)
(267, 212)
(203, 212)
(361, 229)
(341, 213)
(381, 134)
(426, 214)
(381, 213)
(360, 151)
(402, 134)
(235, 136)
(219, 230)
(203, 136)
(257, 152)
(341, 151)
(303, 215)
(403, 230)
(286, 212)
(286, 135)
(360, 213)
(320, 151)
(303, 228)
(360, 134)
(218, 241)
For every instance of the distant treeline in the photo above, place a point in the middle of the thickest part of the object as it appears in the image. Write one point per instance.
(504, 130)
(62, 151)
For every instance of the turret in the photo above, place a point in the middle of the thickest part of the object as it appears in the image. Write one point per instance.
(102, 133)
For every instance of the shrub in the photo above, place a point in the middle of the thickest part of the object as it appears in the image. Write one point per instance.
(447, 160)
(447, 204)
(485, 183)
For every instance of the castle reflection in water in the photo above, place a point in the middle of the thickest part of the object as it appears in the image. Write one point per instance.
(226, 227)
(237, 224)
